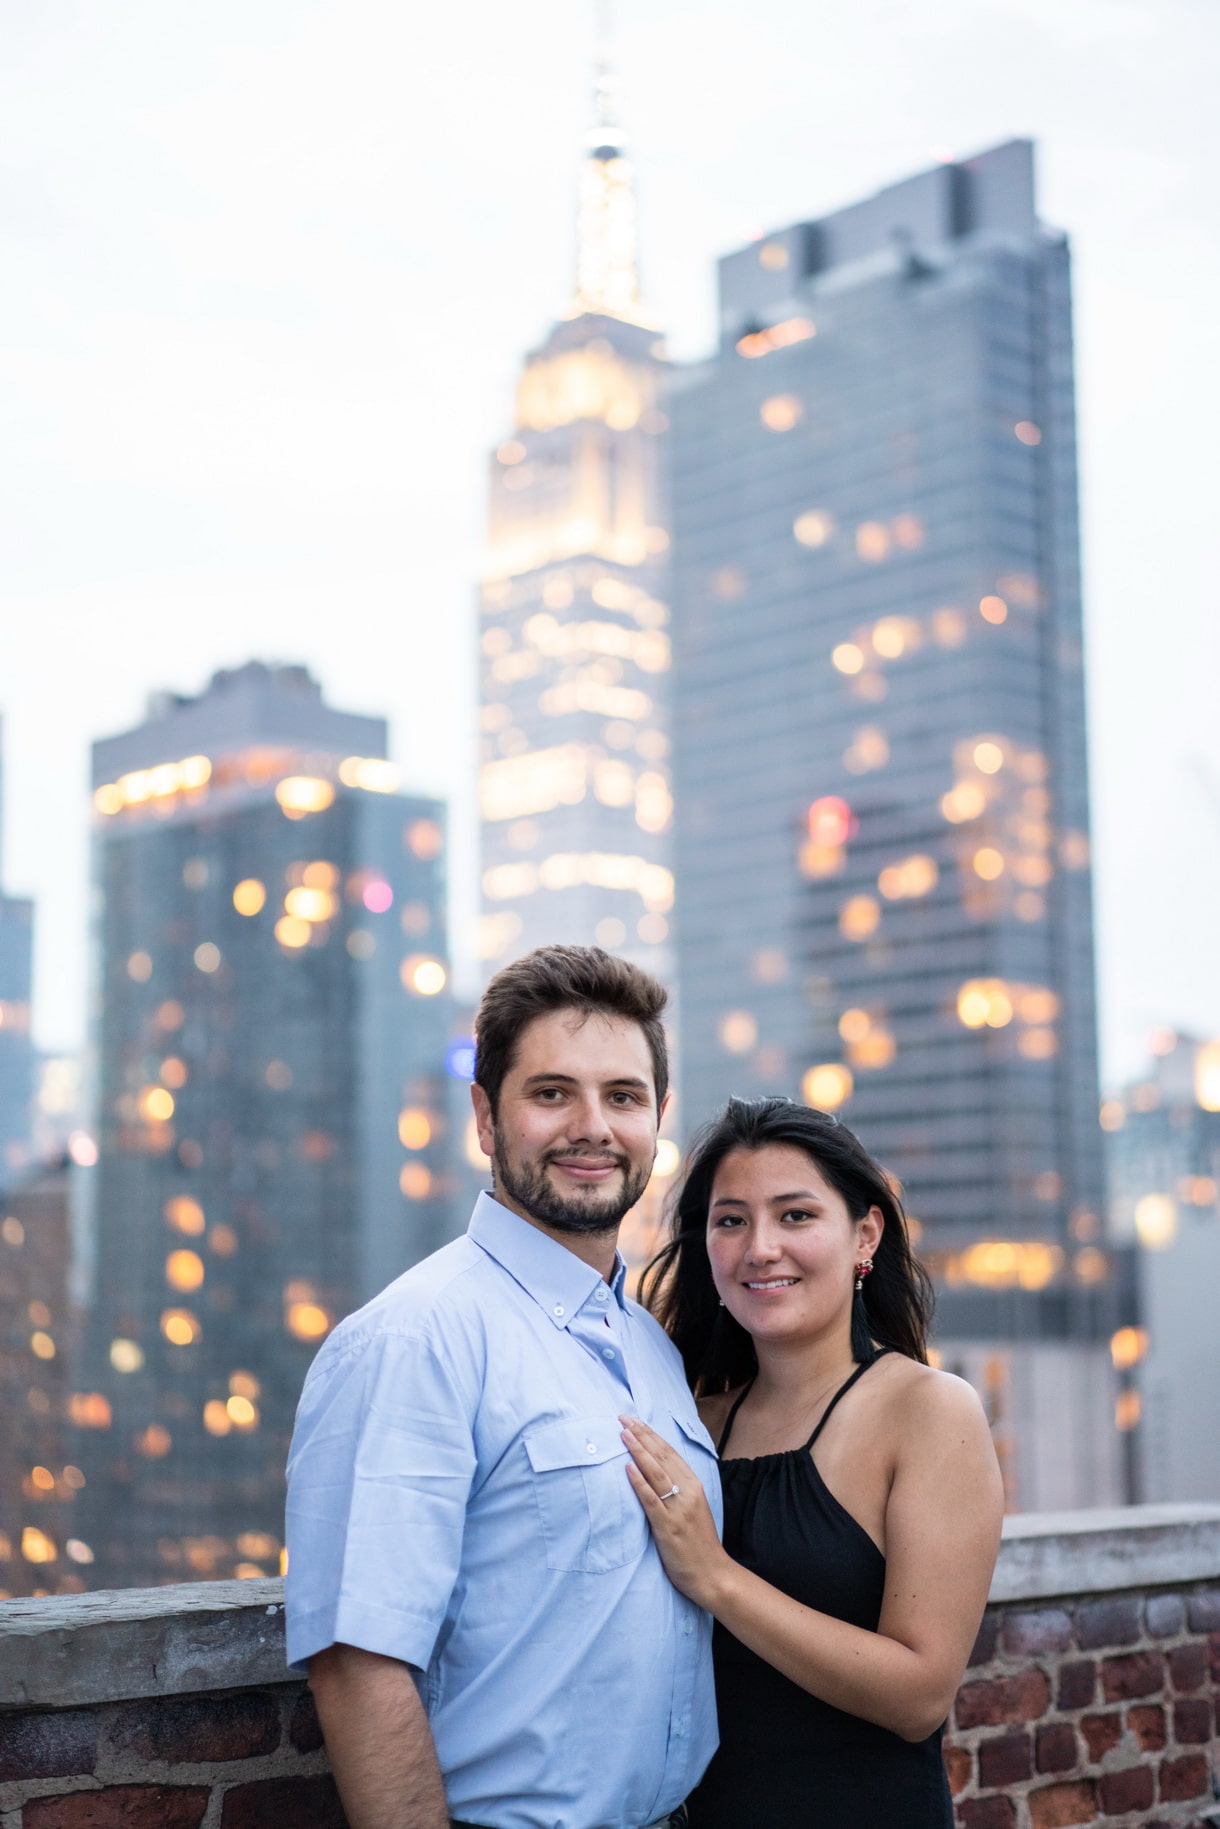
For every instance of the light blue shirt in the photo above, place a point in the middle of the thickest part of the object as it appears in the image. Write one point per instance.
(458, 1499)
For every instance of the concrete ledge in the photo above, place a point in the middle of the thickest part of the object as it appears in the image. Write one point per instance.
(121, 1645)
(1044, 1554)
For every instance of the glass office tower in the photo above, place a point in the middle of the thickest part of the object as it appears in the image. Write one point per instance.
(882, 834)
(574, 776)
(272, 1104)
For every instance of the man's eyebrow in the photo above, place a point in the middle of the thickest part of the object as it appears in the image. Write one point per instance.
(569, 1079)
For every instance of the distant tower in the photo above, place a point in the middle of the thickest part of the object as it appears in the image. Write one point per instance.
(272, 1101)
(1163, 1151)
(574, 779)
(882, 843)
(16, 1046)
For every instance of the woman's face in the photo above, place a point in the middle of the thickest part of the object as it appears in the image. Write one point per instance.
(782, 1245)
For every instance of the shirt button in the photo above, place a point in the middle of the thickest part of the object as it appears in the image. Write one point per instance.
(591, 1447)
(559, 1309)
(607, 1352)
(688, 1625)
(603, 1294)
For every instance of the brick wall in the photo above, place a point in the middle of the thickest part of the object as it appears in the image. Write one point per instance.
(1091, 1696)
(244, 1759)
(1094, 1711)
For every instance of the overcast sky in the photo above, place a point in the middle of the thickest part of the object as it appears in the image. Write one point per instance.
(271, 268)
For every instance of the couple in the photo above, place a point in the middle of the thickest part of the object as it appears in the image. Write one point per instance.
(505, 1504)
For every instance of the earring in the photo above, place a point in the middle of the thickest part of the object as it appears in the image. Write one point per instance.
(863, 1268)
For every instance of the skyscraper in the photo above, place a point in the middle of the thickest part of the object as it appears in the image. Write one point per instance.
(271, 1099)
(16, 1046)
(574, 771)
(882, 823)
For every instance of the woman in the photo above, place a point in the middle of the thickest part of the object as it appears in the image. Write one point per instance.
(862, 1494)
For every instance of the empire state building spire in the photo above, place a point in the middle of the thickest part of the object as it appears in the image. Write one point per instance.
(606, 278)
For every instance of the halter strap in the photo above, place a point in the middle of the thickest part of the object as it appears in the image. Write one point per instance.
(842, 1391)
(722, 1444)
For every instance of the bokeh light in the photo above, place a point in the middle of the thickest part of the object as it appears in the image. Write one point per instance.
(827, 1086)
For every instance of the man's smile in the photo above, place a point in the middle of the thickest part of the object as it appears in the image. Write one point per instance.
(585, 1168)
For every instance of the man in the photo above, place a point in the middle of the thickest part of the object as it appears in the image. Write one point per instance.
(489, 1633)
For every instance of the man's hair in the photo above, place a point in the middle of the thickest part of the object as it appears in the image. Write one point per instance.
(581, 978)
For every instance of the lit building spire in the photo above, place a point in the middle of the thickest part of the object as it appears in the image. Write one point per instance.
(606, 279)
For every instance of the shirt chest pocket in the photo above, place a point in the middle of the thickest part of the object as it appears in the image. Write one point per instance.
(698, 1450)
(591, 1520)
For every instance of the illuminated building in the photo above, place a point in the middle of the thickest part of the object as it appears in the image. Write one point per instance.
(574, 779)
(271, 1099)
(16, 1048)
(40, 1552)
(1162, 1136)
(881, 835)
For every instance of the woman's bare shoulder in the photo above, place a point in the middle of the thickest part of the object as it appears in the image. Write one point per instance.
(928, 1399)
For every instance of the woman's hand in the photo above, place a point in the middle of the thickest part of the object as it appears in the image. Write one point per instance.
(682, 1524)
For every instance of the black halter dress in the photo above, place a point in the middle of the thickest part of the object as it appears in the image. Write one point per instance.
(787, 1760)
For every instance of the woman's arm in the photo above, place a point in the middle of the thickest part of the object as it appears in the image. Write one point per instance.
(942, 1531)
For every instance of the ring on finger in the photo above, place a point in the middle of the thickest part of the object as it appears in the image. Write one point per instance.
(671, 1494)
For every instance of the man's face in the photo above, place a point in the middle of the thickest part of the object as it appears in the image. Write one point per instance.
(575, 1135)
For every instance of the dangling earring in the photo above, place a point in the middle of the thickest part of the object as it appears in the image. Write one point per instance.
(863, 1268)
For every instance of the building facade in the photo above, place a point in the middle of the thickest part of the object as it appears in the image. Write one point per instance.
(40, 1486)
(272, 1106)
(882, 829)
(1163, 1159)
(574, 774)
(17, 1059)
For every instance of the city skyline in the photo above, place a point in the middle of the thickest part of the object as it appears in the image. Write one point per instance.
(227, 1121)
(235, 535)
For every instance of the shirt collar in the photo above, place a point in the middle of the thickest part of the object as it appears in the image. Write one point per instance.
(559, 1281)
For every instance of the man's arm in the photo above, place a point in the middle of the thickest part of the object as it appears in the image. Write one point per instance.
(380, 1744)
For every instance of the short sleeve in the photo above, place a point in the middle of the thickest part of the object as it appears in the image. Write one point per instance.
(381, 1465)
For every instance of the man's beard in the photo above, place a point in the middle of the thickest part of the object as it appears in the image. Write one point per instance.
(527, 1184)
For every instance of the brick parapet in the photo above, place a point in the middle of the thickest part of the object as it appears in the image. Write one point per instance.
(1092, 1711)
(1091, 1698)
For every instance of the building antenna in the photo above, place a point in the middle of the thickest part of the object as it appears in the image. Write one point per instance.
(606, 272)
(603, 63)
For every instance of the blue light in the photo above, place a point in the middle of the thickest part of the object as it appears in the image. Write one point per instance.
(459, 1058)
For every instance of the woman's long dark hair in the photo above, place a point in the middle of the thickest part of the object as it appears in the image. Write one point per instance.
(894, 1308)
